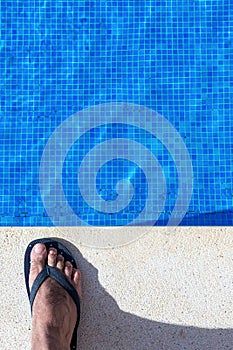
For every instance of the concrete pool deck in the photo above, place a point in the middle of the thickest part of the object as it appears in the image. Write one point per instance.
(161, 292)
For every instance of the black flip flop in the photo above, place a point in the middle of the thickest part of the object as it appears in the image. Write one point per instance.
(52, 272)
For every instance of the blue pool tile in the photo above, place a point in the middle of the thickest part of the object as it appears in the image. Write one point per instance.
(61, 57)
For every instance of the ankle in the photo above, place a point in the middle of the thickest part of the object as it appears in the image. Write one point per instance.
(48, 342)
(47, 337)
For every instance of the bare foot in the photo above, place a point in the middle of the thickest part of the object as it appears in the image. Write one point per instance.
(54, 312)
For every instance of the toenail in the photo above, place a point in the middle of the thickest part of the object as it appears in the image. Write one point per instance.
(39, 248)
(52, 250)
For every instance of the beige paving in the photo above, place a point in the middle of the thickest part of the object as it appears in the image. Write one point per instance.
(161, 292)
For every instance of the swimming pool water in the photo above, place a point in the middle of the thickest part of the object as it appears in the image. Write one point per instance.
(60, 57)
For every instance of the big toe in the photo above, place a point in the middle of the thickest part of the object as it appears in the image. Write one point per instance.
(38, 258)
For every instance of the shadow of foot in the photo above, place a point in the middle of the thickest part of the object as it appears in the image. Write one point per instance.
(105, 326)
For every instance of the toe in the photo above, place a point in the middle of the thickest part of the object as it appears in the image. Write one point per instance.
(68, 269)
(52, 257)
(60, 262)
(38, 253)
(77, 281)
(38, 259)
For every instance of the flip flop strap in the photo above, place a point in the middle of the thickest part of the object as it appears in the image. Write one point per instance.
(49, 271)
